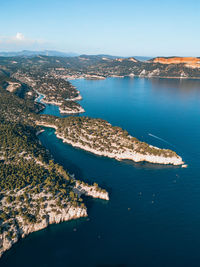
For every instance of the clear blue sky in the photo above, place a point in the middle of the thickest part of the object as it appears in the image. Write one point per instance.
(125, 27)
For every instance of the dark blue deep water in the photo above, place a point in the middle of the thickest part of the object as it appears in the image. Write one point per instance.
(153, 216)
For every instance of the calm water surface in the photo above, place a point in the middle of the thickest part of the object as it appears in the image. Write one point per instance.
(153, 216)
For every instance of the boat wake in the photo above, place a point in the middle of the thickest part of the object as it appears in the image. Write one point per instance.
(163, 140)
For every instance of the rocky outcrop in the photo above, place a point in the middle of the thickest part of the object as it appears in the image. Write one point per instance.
(13, 86)
(127, 59)
(52, 210)
(71, 110)
(192, 62)
(88, 190)
(32, 209)
(66, 214)
(20, 228)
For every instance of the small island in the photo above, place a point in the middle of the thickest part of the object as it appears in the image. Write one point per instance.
(101, 138)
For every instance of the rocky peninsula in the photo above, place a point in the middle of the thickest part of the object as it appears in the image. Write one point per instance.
(101, 138)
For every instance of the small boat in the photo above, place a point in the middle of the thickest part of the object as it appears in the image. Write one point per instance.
(184, 166)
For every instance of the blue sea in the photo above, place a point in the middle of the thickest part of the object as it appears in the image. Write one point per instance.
(153, 216)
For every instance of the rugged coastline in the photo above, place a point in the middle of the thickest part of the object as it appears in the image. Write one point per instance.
(69, 106)
(34, 190)
(129, 149)
(52, 211)
(41, 192)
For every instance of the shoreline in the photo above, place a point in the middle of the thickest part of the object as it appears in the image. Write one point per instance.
(63, 111)
(58, 104)
(134, 156)
(135, 76)
(21, 228)
(23, 231)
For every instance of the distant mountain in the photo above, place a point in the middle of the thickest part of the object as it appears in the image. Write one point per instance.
(99, 56)
(94, 66)
(53, 53)
(141, 58)
(28, 53)
(109, 56)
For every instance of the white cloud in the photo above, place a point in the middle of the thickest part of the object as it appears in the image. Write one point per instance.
(17, 39)
(21, 42)
(19, 36)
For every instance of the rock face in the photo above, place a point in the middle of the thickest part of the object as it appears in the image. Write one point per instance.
(128, 155)
(126, 59)
(13, 86)
(51, 213)
(132, 59)
(20, 228)
(193, 62)
(92, 191)
(66, 215)
(30, 216)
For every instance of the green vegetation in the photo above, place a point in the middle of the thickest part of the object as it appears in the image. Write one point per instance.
(30, 181)
(32, 186)
(25, 165)
(101, 136)
(70, 106)
(42, 70)
(14, 108)
(55, 89)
